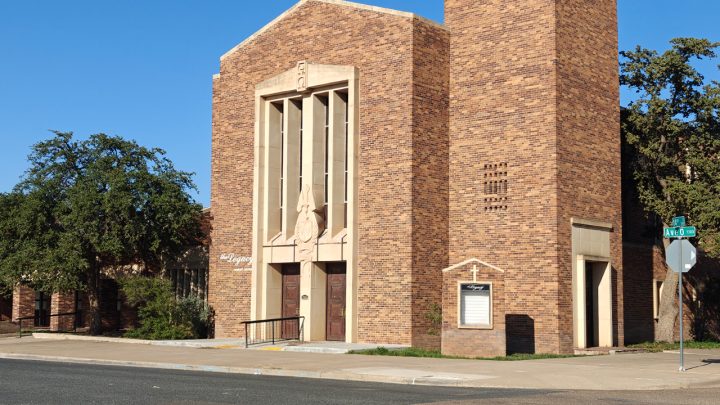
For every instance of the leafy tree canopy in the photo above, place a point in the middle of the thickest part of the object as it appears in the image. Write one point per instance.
(673, 130)
(86, 205)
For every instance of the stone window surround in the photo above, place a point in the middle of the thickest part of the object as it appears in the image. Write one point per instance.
(306, 78)
(337, 95)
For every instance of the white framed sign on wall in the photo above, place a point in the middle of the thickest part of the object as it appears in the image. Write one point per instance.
(475, 305)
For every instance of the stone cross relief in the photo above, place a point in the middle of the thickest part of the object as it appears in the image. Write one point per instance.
(307, 227)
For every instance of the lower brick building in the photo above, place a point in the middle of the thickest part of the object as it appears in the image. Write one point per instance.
(65, 311)
(394, 180)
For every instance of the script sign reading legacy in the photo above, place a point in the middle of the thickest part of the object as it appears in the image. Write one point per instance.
(240, 262)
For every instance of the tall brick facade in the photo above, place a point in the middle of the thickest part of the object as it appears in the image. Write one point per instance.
(536, 93)
(495, 137)
(402, 218)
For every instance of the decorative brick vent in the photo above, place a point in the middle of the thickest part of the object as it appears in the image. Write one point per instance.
(496, 187)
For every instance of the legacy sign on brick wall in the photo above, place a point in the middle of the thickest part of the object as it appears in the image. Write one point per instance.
(241, 263)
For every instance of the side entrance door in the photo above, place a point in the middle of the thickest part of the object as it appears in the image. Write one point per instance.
(5, 308)
(290, 300)
(336, 278)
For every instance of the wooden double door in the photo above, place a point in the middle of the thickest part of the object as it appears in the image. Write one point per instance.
(335, 311)
(335, 305)
(290, 300)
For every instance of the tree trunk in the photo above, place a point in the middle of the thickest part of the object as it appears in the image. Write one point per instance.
(94, 301)
(668, 313)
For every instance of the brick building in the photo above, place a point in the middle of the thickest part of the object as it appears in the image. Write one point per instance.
(369, 166)
(64, 311)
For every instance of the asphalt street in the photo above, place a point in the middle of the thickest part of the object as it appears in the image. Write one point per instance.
(31, 382)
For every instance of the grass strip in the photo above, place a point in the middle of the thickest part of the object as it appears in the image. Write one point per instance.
(418, 352)
(655, 347)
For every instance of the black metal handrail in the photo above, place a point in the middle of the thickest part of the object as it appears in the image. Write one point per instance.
(75, 314)
(274, 330)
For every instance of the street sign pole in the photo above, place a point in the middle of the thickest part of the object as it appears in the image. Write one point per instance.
(676, 259)
(680, 299)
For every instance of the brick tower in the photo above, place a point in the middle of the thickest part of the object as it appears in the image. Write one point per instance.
(535, 158)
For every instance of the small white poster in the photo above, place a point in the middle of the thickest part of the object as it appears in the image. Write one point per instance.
(475, 304)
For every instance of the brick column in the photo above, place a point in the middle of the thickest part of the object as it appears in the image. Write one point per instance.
(62, 303)
(23, 304)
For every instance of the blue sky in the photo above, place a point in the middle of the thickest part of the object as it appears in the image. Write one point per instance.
(142, 69)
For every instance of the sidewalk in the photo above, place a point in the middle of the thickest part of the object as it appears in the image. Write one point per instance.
(647, 371)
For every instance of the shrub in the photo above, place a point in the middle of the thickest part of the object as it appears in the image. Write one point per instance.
(434, 317)
(161, 316)
(195, 312)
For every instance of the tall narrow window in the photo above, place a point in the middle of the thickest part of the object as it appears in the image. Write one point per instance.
(344, 97)
(326, 108)
(282, 161)
(300, 148)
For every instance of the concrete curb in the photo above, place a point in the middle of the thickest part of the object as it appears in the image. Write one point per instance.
(205, 343)
(330, 375)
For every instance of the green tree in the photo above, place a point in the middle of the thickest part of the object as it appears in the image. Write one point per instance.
(672, 130)
(85, 206)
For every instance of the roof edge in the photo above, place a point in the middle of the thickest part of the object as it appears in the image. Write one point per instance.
(359, 6)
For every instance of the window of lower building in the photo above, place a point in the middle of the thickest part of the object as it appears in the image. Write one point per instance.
(657, 295)
(190, 283)
(42, 310)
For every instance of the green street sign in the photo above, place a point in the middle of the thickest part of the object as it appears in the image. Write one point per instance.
(680, 232)
(678, 221)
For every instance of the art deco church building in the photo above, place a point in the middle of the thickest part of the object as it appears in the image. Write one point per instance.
(373, 170)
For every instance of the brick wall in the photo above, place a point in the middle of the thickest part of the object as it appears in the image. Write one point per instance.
(588, 141)
(62, 303)
(639, 264)
(503, 112)
(395, 114)
(430, 176)
(23, 303)
(535, 90)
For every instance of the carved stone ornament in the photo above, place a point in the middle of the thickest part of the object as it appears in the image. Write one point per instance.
(302, 79)
(307, 228)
